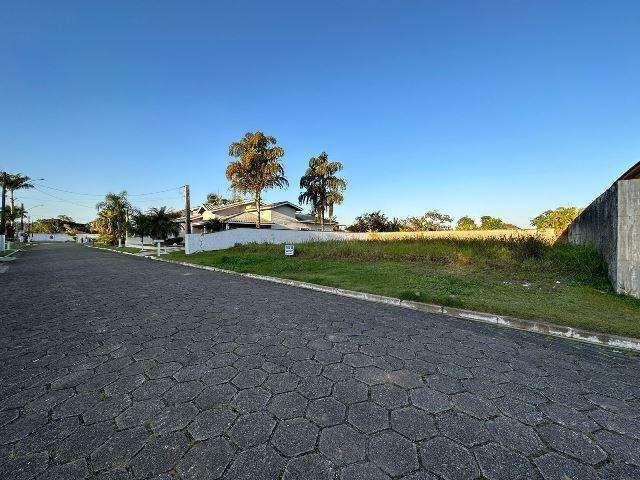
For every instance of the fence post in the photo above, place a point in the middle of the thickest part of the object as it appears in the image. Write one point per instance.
(2, 237)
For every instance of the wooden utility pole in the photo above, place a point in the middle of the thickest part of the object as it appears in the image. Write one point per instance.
(187, 209)
(22, 217)
(3, 220)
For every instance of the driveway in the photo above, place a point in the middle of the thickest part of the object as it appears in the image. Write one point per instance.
(117, 367)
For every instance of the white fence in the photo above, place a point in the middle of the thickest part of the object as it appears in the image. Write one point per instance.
(202, 242)
(50, 237)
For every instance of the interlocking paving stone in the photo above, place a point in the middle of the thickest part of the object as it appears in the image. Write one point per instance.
(515, 435)
(326, 412)
(342, 444)
(206, 460)
(159, 455)
(572, 443)
(251, 385)
(499, 463)
(448, 459)
(294, 437)
(311, 466)
(553, 466)
(393, 453)
(363, 471)
(368, 417)
(413, 423)
(252, 429)
(430, 400)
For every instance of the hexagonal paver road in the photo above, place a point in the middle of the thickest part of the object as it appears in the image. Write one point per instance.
(116, 367)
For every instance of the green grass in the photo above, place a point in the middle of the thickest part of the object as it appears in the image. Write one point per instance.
(6, 252)
(563, 284)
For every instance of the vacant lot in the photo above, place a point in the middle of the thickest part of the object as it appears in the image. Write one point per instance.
(526, 278)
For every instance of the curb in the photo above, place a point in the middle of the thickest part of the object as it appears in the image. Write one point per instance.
(526, 325)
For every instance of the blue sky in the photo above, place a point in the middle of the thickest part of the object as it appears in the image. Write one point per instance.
(504, 108)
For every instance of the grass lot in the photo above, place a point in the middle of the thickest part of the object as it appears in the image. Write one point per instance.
(564, 284)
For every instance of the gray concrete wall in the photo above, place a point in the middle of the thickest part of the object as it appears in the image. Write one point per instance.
(598, 226)
(628, 268)
(611, 224)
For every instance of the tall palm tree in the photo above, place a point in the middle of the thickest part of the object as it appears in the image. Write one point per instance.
(13, 182)
(162, 223)
(257, 167)
(322, 188)
(113, 216)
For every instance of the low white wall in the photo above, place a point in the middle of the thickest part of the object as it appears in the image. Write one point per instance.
(202, 242)
(86, 237)
(50, 237)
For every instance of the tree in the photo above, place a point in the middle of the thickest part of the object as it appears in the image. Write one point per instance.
(466, 223)
(558, 219)
(113, 213)
(216, 199)
(140, 225)
(163, 223)
(13, 182)
(322, 188)
(488, 222)
(213, 225)
(430, 221)
(374, 222)
(257, 167)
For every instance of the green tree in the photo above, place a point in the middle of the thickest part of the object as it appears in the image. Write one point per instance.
(374, 222)
(163, 223)
(112, 219)
(256, 167)
(558, 219)
(13, 182)
(488, 222)
(430, 221)
(140, 225)
(466, 223)
(322, 188)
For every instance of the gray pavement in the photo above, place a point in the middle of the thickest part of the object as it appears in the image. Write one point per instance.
(116, 367)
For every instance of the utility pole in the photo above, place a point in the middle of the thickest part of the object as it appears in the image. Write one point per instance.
(22, 217)
(187, 209)
(3, 220)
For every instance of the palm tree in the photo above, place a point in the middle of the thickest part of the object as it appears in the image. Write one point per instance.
(257, 167)
(322, 188)
(13, 182)
(162, 223)
(140, 224)
(113, 216)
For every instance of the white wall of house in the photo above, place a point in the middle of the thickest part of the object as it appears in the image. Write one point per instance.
(50, 237)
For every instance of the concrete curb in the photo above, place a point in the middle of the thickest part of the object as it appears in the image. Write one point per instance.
(536, 326)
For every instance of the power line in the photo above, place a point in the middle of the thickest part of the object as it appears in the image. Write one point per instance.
(63, 200)
(102, 194)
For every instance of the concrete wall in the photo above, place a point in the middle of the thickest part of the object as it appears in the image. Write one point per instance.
(197, 242)
(628, 267)
(597, 226)
(611, 224)
(50, 237)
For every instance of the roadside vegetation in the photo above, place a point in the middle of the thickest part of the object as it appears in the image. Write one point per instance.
(526, 278)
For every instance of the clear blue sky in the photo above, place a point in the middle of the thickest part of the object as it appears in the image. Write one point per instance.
(505, 108)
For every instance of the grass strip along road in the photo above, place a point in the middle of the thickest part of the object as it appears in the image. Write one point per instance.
(526, 278)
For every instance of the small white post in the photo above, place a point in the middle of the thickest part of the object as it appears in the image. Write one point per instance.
(119, 242)
(2, 247)
(158, 242)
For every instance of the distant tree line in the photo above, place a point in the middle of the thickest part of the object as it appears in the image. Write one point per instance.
(558, 219)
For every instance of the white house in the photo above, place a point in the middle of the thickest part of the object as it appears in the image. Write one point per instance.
(279, 215)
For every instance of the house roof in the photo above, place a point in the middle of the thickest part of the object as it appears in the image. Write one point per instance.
(632, 173)
(244, 217)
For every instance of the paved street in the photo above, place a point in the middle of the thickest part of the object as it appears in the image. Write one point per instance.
(115, 367)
